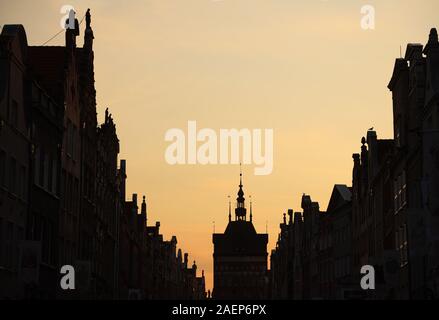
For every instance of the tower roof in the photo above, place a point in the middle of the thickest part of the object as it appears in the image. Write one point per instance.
(240, 211)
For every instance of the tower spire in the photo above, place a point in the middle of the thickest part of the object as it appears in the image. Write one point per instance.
(240, 211)
(240, 174)
(251, 211)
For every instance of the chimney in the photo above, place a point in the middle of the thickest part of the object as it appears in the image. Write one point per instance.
(194, 269)
(135, 203)
(185, 260)
(290, 215)
(297, 217)
(123, 174)
(143, 211)
(373, 151)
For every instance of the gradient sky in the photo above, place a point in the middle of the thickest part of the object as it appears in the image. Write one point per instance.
(304, 68)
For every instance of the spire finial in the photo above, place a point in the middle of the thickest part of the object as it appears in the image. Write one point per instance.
(230, 209)
(251, 210)
(240, 211)
(240, 174)
(143, 206)
(87, 19)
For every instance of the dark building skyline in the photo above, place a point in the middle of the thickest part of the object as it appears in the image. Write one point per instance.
(240, 257)
(62, 193)
(63, 198)
(389, 218)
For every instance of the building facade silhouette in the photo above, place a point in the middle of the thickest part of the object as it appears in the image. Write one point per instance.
(62, 190)
(389, 218)
(240, 257)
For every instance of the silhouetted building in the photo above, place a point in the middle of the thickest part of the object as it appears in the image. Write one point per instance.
(62, 197)
(91, 228)
(310, 277)
(371, 209)
(313, 254)
(14, 163)
(302, 263)
(415, 170)
(240, 257)
(46, 122)
(389, 219)
(340, 212)
(283, 261)
(108, 206)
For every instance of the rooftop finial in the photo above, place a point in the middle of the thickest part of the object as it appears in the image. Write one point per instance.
(240, 211)
(251, 210)
(432, 41)
(143, 208)
(433, 35)
(240, 192)
(240, 174)
(230, 209)
(87, 19)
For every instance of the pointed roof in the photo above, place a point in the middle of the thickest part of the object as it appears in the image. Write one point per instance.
(341, 194)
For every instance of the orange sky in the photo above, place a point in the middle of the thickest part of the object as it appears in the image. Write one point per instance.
(304, 68)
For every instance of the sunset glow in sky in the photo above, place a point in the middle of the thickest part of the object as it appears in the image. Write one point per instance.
(306, 69)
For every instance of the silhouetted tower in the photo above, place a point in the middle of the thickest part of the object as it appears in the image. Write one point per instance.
(240, 256)
(240, 211)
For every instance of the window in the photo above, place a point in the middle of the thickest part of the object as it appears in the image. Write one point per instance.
(13, 116)
(76, 195)
(19, 183)
(400, 193)
(50, 173)
(23, 182)
(401, 244)
(63, 188)
(69, 141)
(54, 176)
(46, 171)
(41, 168)
(46, 239)
(2, 168)
(74, 130)
(9, 249)
(19, 236)
(13, 176)
(37, 165)
(69, 192)
(2, 241)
